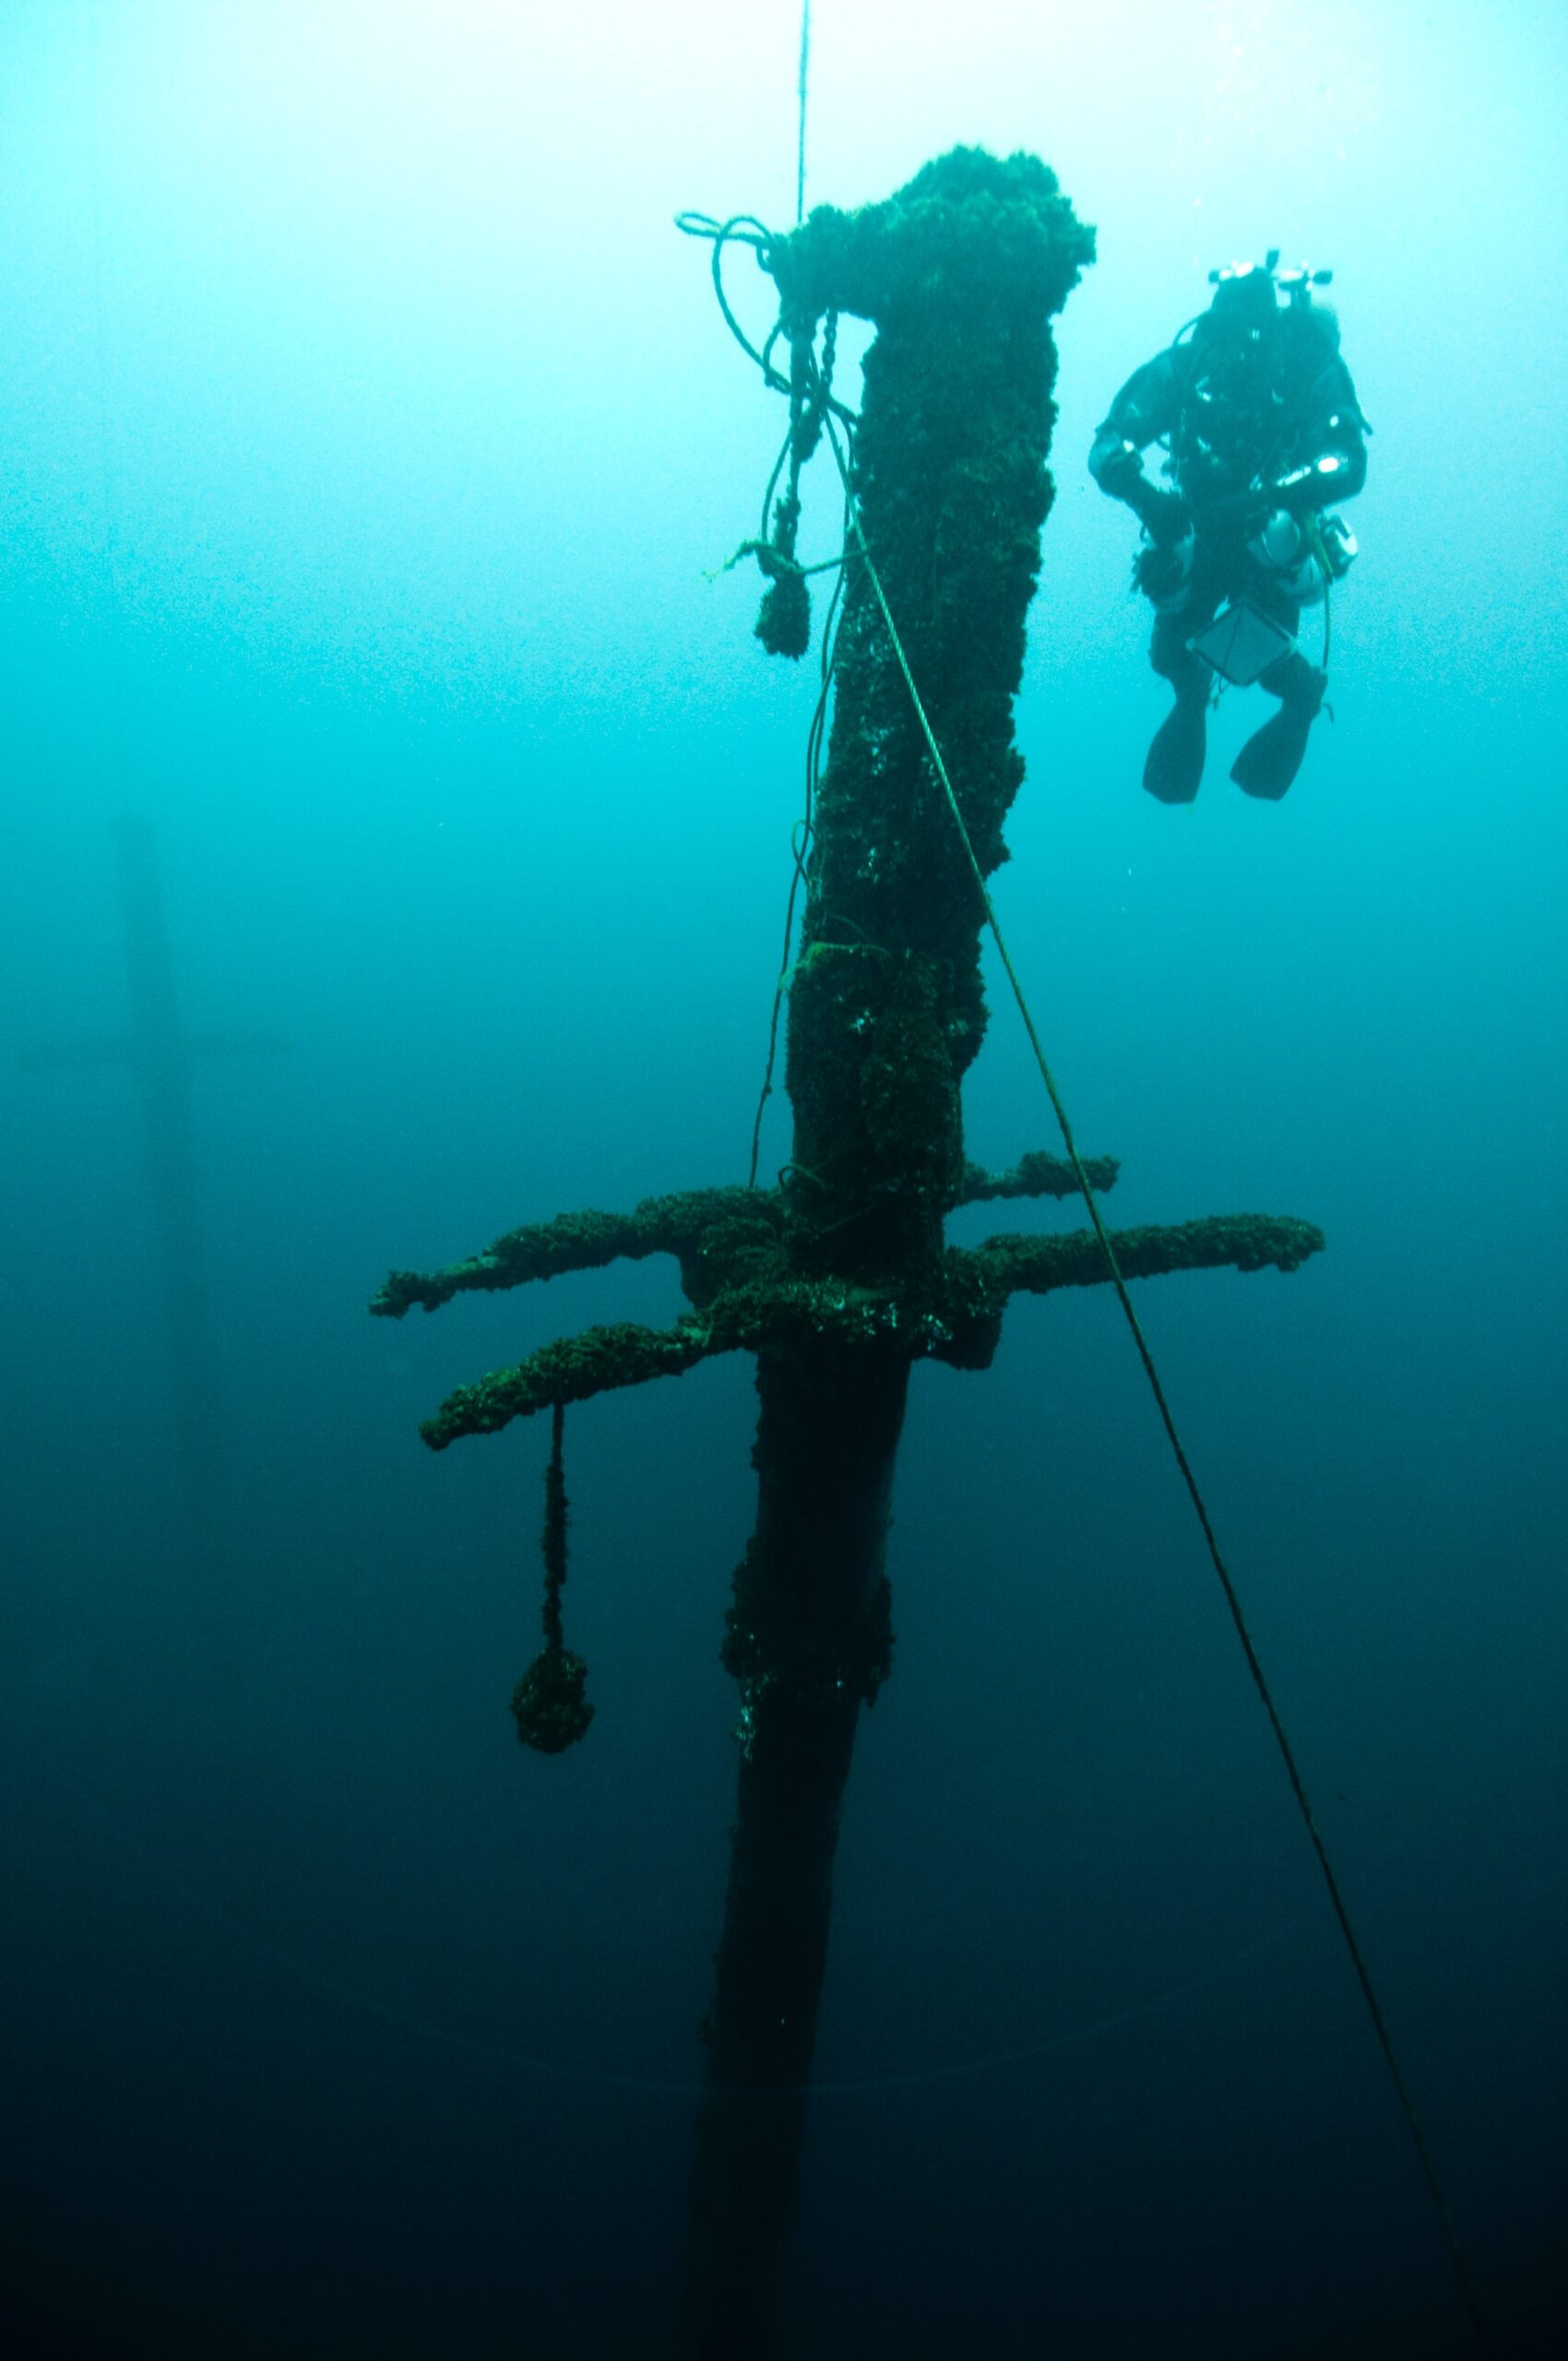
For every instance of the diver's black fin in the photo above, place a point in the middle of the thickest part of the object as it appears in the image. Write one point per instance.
(1272, 755)
(1174, 765)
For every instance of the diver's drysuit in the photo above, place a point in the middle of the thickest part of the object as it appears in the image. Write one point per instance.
(1263, 429)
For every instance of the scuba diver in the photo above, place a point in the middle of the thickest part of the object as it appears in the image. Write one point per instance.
(1260, 423)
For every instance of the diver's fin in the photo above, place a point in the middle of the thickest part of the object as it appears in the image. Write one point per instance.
(1174, 764)
(1272, 755)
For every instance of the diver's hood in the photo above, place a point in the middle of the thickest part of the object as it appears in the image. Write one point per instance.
(1244, 302)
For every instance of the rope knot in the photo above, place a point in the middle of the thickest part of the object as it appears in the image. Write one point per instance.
(550, 1711)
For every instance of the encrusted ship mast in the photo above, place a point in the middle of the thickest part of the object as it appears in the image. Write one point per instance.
(841, 1280)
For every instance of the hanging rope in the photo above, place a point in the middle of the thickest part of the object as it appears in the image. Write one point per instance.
(116, 700)
(799, 842)
(548, 1702)
(801, 89)
(1298, 1786)
(800, 847)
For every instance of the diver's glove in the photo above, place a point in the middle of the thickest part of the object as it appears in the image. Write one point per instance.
(1163, 515)
(1161, 571)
